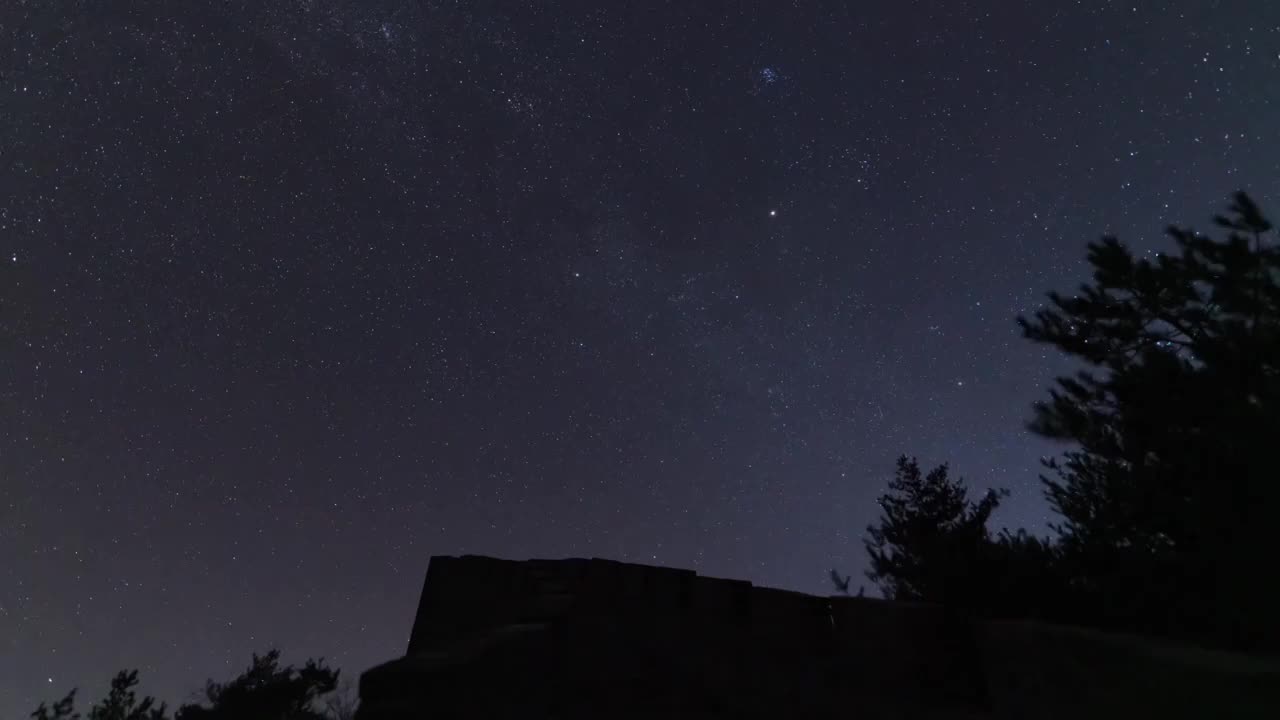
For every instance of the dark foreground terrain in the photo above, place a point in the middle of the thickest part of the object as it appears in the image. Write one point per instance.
(594, 638)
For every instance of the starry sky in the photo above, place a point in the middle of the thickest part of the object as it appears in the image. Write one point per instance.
(298, 294)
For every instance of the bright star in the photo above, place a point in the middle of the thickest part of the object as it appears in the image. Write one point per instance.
(773, 213)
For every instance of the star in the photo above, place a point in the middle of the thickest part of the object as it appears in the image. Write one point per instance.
(773, 213)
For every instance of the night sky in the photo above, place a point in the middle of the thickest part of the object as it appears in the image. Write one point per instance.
(298, 294)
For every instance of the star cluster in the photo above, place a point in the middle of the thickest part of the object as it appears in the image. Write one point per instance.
(302, 293)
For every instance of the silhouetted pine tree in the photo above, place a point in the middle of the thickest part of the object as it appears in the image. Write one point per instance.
(266, 691)
(1169, 498)
(64, 709)
(931, 542)
(121, 703)
(1024, 579)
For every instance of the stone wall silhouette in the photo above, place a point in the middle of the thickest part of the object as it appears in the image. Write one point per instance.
(596, 638)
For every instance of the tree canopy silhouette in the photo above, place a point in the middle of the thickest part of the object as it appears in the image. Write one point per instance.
(121, 703)
(931, 540)
(265, 691)
(1168, 498)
